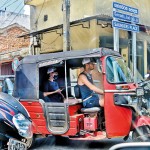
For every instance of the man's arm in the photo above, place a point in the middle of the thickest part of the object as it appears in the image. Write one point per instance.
(83, 80)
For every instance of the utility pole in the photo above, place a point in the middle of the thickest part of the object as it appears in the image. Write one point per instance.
(66, 25)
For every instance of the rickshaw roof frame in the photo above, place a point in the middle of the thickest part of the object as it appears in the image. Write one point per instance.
(98, 52)
(34, 62)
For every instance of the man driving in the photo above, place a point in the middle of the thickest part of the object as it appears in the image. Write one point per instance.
(89, 92)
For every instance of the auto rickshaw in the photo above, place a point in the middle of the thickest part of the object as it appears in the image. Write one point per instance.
(123, 98)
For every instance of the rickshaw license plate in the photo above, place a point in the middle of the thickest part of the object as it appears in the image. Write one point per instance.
(16, 145)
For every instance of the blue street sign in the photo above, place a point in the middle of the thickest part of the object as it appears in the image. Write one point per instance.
(125, 26)
(125, 17)
(125, 8)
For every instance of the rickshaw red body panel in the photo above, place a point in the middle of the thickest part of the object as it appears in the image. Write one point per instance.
(39, 123)
(117, 119)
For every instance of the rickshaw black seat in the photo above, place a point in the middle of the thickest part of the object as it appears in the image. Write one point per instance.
(77, 91)
(85, 110)
(91, 110)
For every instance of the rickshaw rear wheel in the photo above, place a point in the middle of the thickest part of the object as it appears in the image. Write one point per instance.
(140, 134)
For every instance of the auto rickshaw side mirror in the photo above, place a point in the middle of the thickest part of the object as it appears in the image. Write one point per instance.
(99, 65)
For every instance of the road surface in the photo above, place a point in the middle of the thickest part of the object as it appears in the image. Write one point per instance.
(64, 143)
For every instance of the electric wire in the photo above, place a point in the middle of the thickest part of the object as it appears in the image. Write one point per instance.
(40, 13)
(11, 4)
(16, 15)
(4, 4)
(3, 22)
(50, 43)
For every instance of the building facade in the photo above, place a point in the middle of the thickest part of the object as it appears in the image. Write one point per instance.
(90, 27)
(12, 47)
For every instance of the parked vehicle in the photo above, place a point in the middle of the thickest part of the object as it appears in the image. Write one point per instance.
(119, 116)
(15, 124)
(6, 83)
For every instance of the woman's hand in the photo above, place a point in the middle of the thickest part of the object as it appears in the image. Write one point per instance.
(49, 93)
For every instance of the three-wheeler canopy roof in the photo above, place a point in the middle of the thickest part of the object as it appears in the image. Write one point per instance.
(27, 73)
(98, 52)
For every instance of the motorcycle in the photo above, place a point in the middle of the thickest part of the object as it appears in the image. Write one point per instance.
(15, 124)
(146, 97)
(142, 131)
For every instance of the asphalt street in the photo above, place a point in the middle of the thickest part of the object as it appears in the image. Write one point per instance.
(64, 143)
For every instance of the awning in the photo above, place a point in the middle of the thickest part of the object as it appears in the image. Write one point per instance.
(103, 18)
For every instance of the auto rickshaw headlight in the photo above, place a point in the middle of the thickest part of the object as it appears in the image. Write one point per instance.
(23, 125)
(125, 100)
(139, 91)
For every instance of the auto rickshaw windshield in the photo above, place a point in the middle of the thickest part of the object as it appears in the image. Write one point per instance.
(117, 71)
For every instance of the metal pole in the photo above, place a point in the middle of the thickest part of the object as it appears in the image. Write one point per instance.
(66, 25)
(116, 39)
(66, 83)
(116, 36)
(134, 55)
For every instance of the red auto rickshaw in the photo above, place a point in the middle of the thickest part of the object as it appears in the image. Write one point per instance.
(123, 99)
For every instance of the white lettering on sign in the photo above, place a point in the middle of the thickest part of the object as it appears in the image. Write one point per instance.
(125, 8)
(125, 17)
(125, 26)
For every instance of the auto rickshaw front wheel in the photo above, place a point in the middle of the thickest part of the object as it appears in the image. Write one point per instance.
(141, 134)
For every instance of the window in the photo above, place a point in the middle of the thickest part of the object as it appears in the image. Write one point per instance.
(116, 71)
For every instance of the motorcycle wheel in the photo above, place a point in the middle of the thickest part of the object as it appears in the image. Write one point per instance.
(140, 134)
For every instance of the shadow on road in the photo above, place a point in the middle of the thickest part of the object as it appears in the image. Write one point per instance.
(63, 143)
